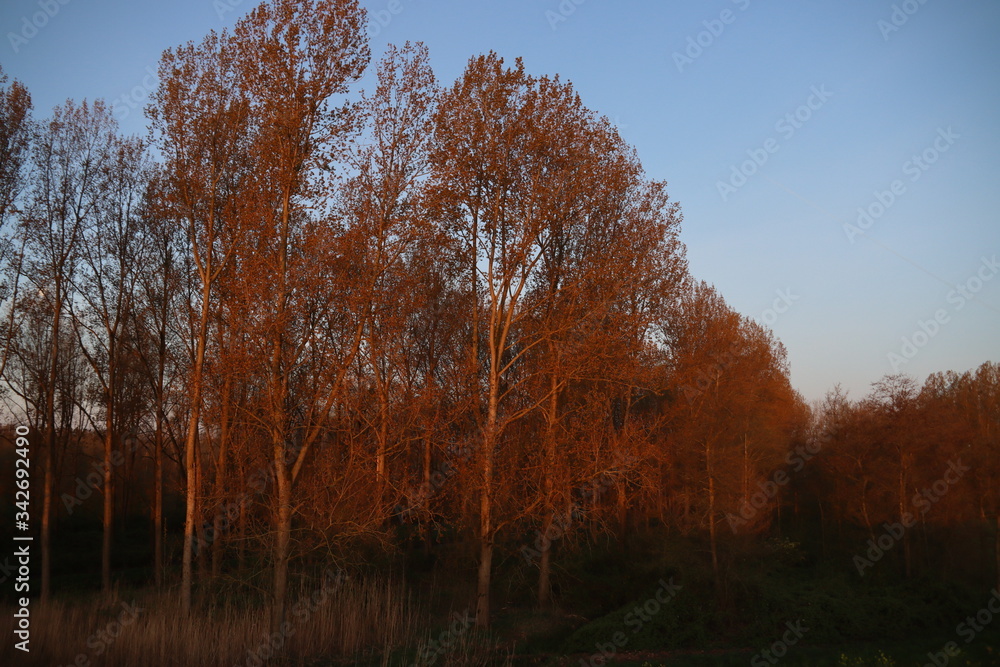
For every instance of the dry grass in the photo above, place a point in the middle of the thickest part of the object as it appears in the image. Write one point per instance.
(332, 622)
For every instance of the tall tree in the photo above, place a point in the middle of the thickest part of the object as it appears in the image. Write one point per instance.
(391, 165)
(16, 128)
(295, 55)
(200, 117)
(111, 254)
(68, 158)
(729, 420)
(513, 160)
(155, 323)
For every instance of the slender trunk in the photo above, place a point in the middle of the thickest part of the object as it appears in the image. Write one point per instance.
(161, 365)
(548, 468)
(424, 498)
(483, 583)
(484, 575)
(109, 494)
(192, 439)
(218, 541)
(109, 486)
(241, 551)
(50, 449)
(282, 541)
(382, 434)
(545, 566)
(47, 514)
(486, 523)
(279, 425)
(158, 495)
(199, 512)
(864, 508)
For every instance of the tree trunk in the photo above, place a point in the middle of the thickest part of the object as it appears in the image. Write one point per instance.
(50, 449)
(47, 513)
(279, 425)
(548, 469)
(544, 567)
(486, 525)
(191, 443)
(483, 583)
(382, 445)
(204, 543)
(218, 541)
(161, 365)
(241, 551)
(158, 495)
(424, 497)
(282, 539)
(109, 489)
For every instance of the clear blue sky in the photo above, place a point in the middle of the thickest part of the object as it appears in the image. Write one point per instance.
(924, 86)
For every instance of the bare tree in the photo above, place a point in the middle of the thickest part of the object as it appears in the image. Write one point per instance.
(68, 158)
(111, 255)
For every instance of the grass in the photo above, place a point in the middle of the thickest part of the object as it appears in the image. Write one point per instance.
(372, 620)
(331, 621)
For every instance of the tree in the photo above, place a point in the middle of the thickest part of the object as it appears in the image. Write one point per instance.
(154, 321)
(200, 117)
(611, 265)
(294, 56)
(16, 130)
(69, 155)
(385, 198)
(517, 169)
(730, 418)
(111, 254)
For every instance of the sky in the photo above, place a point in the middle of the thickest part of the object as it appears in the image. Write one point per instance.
(837, 162)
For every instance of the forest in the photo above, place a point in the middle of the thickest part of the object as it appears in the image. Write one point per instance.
(420, 376)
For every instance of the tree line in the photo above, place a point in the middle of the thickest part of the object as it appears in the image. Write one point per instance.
(329, 321)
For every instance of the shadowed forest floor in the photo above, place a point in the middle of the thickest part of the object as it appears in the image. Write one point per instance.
(416, 611)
